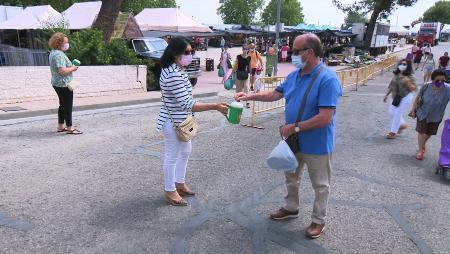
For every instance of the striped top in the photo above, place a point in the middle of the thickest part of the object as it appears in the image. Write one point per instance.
(176, 91)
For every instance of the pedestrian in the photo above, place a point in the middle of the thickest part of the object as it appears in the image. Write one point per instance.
(401, 87)
(429, 108)
(225, 58)
(418, 58)
(426, 49)
(284, 52)
(428, 66)
(61, 69)
(315, 130)
(270, 60)
(241, 69)
(256, 62)
(197, 43)
(222, 43)
(414, 49)
(443, 61)
(178, 104)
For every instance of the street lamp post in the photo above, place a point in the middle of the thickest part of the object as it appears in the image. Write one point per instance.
(277, 37)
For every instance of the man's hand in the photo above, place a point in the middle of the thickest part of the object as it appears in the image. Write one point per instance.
(385, 98)
(287, 130)
(242, 97)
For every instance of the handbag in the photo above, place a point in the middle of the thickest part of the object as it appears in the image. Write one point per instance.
(229, 63)
(292, 140)
(74, 84)
(221, 72)
(282, 158)
(396, 101)
(228, 85)
(187, 129)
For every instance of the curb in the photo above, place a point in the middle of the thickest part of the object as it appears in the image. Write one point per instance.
(43, 112)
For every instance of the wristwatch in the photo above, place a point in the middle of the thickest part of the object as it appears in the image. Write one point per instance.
(297, 128)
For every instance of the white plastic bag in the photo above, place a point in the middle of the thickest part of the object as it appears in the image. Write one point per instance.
(282, 158)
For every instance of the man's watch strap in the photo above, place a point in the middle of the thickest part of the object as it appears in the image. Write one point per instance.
(297, 127)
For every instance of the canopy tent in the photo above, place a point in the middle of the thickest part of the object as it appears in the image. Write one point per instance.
(8, 12)
(34, 17)
(446, 29)
(311, 27)
(161, 34)
(415, 29)
(168, 19)
(82, 15)
(398, 30)
(339, 34)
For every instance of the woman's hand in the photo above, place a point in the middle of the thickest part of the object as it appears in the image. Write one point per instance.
(385, 98)
(412, 113)
(73, 68)
(222, 107)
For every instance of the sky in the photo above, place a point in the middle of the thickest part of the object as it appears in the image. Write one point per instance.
(321, 12)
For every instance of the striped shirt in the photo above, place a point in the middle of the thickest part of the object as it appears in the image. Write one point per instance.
(176, 91)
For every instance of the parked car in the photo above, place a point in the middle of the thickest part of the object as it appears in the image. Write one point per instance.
(153, 48)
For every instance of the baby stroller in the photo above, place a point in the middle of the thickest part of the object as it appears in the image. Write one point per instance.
(444, 154)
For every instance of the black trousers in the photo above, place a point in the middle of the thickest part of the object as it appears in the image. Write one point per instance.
(65, 105)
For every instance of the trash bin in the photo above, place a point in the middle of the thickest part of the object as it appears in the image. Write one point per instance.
(209, 64)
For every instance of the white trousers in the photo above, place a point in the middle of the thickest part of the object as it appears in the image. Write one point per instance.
(176, 156)
(397, 112)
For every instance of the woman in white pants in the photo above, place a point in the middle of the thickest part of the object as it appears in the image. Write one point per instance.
(178, 104)
(401, 87)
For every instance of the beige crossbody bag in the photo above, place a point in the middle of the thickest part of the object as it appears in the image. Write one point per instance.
(186, 130)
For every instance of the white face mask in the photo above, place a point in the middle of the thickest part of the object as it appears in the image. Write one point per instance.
(402, 67)
(298, 61)
(65, 46)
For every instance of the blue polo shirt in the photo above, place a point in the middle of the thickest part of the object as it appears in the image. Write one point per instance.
(324, 94)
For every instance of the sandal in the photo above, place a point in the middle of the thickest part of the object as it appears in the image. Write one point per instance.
(390, 135)
(183, 190)
(74, 132)
(419, 155)
(173, 202)
(62, 130)
(402, 128)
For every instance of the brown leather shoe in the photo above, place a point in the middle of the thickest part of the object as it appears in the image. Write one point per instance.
(174, 202)
(183, 190)
(283, 214)
(314, 230)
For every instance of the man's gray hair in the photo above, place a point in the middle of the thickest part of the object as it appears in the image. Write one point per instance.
(313, 42)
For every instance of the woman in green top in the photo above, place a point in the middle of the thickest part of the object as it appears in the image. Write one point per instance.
(61, 69)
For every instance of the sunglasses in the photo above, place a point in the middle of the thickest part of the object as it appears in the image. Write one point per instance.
(189, 52)
(296, 52)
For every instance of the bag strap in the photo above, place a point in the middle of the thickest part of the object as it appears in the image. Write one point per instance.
(308, 90)
(168, 111)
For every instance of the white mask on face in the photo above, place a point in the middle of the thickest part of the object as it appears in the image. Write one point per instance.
(402, 67)
(65, 46)
(186, 60)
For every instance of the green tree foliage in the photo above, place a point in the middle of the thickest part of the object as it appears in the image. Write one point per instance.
(440, 12)
(354, 17)
(377, 8)
(136, 6)
(239, 11)
(291, 12)
(89, 47)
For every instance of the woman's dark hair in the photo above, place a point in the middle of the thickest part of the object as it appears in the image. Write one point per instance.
(176, 47)
(437, 73)
(409, 69)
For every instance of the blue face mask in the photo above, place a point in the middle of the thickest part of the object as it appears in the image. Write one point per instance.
(298, 62)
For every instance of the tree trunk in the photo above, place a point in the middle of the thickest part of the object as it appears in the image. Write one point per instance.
(370, 29)
(107, 17)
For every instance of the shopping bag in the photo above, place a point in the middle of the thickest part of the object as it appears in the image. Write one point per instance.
(229, 84)
(282, 158)
(221, 72)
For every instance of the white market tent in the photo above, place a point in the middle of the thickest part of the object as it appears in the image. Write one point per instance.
(168, 19)
(34, 17)
(8, 12)
(398, 30)
(82, 15)
(415, 29)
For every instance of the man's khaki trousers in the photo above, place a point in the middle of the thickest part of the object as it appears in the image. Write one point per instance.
(319, 169)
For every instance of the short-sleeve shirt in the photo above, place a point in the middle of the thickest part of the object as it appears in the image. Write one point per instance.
(58, 59)
(254, 59)
(443, 61)
(324, 94)
(433, 103)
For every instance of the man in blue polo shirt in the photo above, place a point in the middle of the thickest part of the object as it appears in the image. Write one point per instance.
(315, 130)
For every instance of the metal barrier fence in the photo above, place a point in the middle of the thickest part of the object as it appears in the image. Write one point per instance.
(353, 77)
(23, 58)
